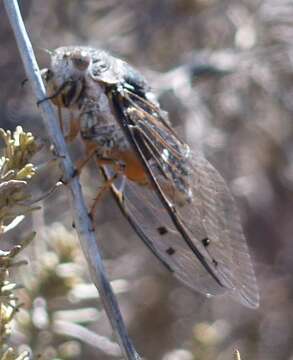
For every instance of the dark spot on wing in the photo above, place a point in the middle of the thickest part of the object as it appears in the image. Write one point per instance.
(206, 242)
(215, 262)
(170, 251)
(162, 230)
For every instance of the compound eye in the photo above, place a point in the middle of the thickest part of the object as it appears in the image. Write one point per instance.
(81, 61)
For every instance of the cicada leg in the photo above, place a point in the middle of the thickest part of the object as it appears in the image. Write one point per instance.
(91, 151)
(74, 129)
(119, 170)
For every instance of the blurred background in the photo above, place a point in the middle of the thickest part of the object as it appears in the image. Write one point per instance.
(223, 71)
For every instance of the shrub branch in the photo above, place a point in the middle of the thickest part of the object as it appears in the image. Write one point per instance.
(82, 221)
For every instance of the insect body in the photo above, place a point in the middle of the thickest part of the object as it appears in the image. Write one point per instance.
(174, 198)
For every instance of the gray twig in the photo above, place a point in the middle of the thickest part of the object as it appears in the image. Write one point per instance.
(82, 221)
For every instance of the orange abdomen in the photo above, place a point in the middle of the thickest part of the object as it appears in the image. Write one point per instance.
(134, 170)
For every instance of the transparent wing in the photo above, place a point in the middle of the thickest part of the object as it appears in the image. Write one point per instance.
(214, 209)
(187, 214)
(152, 223)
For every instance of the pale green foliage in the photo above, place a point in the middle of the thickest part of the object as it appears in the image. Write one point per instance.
(15, 172)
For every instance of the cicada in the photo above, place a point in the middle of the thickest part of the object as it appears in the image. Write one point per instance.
(175, 200)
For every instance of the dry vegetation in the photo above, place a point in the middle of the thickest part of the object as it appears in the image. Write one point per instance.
(234, 95)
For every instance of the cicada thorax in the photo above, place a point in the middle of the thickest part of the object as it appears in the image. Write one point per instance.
(100, 130)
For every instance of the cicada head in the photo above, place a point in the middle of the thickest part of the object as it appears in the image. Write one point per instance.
(80, 62)
(65, 80)
(70, 63)
(74, 68)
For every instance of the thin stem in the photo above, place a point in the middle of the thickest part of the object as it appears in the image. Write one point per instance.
(83, 223)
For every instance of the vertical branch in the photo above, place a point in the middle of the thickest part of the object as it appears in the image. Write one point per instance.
(82, 221)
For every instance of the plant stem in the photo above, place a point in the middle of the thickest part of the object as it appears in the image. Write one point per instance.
(82, 221)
